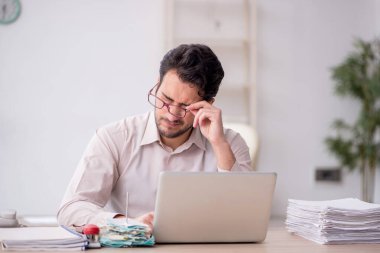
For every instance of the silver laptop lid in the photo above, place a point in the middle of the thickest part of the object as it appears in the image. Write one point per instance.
(196, 207)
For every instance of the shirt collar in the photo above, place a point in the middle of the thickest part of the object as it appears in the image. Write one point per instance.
(197, 138)
(151, 135)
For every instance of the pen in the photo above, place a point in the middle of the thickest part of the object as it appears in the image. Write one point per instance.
(126, 208)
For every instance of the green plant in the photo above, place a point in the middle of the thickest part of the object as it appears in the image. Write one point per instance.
(357, 146)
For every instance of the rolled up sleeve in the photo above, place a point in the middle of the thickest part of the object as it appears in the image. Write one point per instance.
(240, 150)
(91, 185)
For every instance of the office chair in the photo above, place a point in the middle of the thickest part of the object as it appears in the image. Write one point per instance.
(249, 134)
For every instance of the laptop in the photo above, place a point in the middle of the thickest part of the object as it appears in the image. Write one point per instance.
(213, 207)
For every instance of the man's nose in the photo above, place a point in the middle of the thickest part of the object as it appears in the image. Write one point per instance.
(172, 111)
(171, 117)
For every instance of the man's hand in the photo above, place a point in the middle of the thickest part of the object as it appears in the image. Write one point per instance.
(209, 119)
(147, 219)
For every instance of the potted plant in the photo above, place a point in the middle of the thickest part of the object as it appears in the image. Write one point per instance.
(357, 145)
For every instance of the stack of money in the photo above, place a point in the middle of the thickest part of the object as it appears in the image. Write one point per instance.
(119, 234)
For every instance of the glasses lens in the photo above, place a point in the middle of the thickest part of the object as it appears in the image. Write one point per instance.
(177, 111)
(156, 102)
(173, 109)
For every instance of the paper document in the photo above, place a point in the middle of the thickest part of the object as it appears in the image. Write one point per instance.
(41, 239)
(340, 221)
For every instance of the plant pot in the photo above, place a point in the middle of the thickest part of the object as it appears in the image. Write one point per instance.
(368, 184)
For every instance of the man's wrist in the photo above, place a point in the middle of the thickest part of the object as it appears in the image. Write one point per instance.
(224, 155)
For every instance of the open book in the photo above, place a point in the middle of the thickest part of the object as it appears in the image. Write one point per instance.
(41, 239)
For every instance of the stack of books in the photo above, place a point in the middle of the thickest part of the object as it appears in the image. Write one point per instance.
(341, 221)
(41, 239)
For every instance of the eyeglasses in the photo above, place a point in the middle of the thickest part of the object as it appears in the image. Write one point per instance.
(174, 110)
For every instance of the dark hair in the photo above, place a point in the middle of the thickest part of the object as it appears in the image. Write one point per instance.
(196, 64)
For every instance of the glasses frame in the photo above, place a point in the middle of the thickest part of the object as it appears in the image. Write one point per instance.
(164, 104)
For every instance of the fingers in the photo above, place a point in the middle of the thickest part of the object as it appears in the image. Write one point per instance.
(194, 108)
(205, 116)
(147, 219)
(202, 117)
(203, 112)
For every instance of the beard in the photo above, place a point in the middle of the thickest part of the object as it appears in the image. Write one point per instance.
(180, 128)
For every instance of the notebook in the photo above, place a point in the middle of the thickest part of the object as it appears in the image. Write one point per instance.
(201, 207)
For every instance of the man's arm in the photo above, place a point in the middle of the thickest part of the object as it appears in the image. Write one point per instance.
(91, 185)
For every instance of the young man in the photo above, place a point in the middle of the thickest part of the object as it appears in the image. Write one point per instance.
(184, 132)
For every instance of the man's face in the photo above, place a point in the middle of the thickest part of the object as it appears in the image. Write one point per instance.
(173, 91)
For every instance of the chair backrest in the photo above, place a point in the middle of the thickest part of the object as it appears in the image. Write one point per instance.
(249, 134)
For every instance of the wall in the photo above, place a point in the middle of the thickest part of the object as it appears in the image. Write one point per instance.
(298, 42)
(377, 17)
(68, 67)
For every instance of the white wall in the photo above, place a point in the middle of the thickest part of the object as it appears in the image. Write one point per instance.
(298, 42)
(68, 67)
(377, 14)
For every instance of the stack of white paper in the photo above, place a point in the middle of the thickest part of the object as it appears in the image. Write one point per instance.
(338, 221)
(41, 239)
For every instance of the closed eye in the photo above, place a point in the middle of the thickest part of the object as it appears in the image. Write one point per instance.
(169, 100)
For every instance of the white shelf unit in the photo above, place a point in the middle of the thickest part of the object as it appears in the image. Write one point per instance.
(228, 28)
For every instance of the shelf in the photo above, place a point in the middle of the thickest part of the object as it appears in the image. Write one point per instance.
(196, 19)
(213, 42)
(227, 27)
(231, 87)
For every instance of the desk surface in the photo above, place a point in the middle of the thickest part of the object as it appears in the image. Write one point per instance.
(277, 240)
